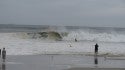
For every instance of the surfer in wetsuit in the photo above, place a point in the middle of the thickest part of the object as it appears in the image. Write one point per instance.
(3, 54)
(96, 48)
(75, 40)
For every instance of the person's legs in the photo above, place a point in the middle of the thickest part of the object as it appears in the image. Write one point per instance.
(3, 57)
(96, 51)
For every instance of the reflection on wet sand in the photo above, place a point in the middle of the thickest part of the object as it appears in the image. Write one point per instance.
(96, 69)
(3, 66)
(96, 60)
(61, 62)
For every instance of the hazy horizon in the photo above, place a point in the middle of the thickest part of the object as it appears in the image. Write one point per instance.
(93, 13)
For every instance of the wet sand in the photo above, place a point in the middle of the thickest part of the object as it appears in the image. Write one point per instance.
(61, 62)
(96, 69)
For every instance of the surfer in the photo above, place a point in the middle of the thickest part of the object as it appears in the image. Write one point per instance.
(96, 48)
(75, 40)
(3, 54)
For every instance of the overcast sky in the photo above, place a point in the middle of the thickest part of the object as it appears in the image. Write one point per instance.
(63, 12)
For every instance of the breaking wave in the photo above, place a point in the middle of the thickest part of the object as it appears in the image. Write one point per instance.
(80, 35)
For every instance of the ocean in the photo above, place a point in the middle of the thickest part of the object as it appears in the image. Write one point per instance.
(45, 39)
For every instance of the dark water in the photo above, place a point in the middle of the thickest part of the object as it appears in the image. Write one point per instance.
(21, 28)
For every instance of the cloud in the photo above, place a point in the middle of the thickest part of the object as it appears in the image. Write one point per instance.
(62, 12)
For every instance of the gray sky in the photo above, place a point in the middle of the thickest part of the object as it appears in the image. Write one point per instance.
(63, 12)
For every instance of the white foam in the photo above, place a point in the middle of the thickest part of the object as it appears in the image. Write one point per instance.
(93, 36)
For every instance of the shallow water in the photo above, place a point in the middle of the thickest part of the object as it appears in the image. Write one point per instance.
(61, 62)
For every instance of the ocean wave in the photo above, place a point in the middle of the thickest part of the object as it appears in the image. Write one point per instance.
(97, 37)
(22, 44)
(80, 35)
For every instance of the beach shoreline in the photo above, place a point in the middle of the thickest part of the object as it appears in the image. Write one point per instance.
(61, 62)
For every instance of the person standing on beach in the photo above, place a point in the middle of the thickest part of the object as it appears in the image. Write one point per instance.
(3, 54)
(96, 48)
(0, 52)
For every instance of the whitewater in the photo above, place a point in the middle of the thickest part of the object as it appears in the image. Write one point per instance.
(111, 42)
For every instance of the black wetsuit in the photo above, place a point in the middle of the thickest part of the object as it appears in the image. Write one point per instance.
(0, 52)
(96, 48)
(75, 40)
(4, 54)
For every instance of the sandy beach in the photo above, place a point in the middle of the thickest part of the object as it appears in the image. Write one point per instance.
(96, 69)
(61, 62)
